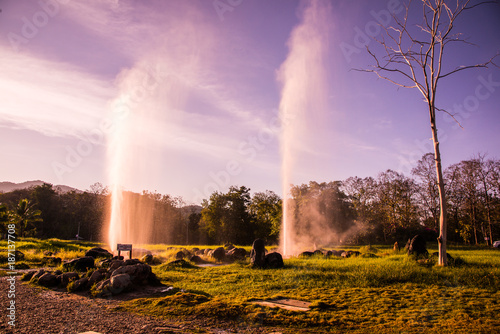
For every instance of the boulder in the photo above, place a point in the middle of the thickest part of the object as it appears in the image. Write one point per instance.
(39, 273)
(206, 251)
(179, 255)
(318, 252)
(130, 262)
(98, 252)
(417, 246)
(97, 276)
(139, 273)
(350, 253)
(119, 283)
(66, 278)
(28, 276)
(337, 252)
(196, 259)
(306, 254)
(80, 264)
(228, 246)
(148, 258)
(115, 264)
(258, 253)
(48, 280)
(219, 254)
(237, 254)
(274, 260)
(80, 284)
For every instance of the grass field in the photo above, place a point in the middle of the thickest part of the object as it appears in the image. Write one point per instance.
(390, 293)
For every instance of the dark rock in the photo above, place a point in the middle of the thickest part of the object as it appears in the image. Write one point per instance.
(98, 252)
(39, 273)
(219, 254)
(237, 254)
(228, 247)
(65, 278)
(148, 258)
(350, 253)
(19, 255)
(48, 280)
(337, 252)
(97, 276)
(80, 285)
(417, 246)
(115, 264)
(28, 276)
(258, 253)
(102, 288)
(196, 259)
(318, 252)
(80, 264)
(57, 272)
(139, 273)
(118, 257)
(131, 262)
(306, 254)
(180, 255)
(274, 261)
(328, 254)
(120, 283)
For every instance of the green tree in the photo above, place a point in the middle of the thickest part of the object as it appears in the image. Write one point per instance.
(25, 215)
(266, 210)
(225, 217)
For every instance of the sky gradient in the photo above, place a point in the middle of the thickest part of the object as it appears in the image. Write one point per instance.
(198, 84)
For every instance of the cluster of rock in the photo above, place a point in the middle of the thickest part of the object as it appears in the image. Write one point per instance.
(259, 258)
(114, 276)
(228, 253)
(330, 253)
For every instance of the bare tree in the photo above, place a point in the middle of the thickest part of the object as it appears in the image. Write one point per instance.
(414, 59)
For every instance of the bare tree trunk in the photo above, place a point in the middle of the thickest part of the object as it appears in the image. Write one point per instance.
(443, 259)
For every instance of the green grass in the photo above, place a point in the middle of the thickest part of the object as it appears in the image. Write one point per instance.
(391, 293)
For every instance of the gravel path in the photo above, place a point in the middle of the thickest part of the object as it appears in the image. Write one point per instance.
(46, 311)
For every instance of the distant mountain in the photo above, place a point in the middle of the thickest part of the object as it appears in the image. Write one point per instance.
(6, 187)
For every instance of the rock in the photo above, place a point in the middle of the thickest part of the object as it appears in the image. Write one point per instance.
(350, 253)
(66, 278)
(39, 273)
(80, 284)
(51, 261)
(97, 276)
(417, 246)
(120, 283)
(258, 253)
(148, 258)
(196, 259)
(28, 276)
(139, 273)
(80, 264)
(274, 260)
(306, 254)
(237, 254)
(19, 255)
(207, 251)
(318, 252)
(130, 262)
(115, 264)
(48, 280)
(219, 254)
(180, 255)
(118, 258)
(396, 247)
(337, 252)
(98, 252)
(229, 246)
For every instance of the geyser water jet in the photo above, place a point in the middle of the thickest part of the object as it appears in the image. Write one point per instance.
(304, 101)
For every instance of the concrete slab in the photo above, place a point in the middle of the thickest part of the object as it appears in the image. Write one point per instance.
(284, 303)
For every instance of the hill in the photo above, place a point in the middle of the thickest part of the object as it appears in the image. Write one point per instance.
(6, 186)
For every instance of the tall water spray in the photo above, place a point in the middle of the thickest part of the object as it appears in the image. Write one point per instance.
(304, 99)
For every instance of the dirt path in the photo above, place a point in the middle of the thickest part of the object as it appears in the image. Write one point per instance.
(45, 311)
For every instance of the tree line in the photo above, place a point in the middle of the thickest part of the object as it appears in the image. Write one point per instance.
(383, 209)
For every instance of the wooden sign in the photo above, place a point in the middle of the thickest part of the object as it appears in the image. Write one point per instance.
(125, 248)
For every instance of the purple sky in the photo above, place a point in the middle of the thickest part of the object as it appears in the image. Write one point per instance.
(202, 85)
